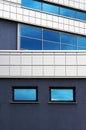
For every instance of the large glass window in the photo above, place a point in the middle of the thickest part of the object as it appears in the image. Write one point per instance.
(50, 8)
(29, 31)
(62, 94)
(51, 35)
(25, 94)
(50, 46)
(81, 15)
(32, 4)
(36, 38)
(68, 39)
(67, 12)
(30, 44)
(81, 42)
(54, 9)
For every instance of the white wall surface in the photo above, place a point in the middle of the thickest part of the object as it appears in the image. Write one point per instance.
(43, 64)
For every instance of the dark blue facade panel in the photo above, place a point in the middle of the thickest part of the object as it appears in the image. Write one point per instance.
(8, 35)
(42, 116)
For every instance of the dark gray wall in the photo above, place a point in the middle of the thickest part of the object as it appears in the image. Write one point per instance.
(42, 116)
(8, 35)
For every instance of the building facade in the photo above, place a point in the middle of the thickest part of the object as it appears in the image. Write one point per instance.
(42, 64)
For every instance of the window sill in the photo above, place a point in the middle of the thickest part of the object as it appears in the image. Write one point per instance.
(72, 103)
(24, 103)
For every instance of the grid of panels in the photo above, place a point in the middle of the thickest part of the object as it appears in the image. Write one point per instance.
(34, 38)
(53, 9)
(14, 1)
(16, 13)
(37, 64)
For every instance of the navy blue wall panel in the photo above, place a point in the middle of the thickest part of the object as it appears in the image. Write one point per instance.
(8, 35)
(42, 116)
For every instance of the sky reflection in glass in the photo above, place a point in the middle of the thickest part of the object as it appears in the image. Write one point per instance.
(50, 8)
(61, 95)
(25, 94)
(50, 46)
(67, 12)
(30, 44)
(29, 31)
(68, 39)
(32, 4)
(51, 35)
(68, 47)
(81, 42)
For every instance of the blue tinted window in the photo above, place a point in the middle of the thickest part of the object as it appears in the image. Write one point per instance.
(81, 15)
(81, 42)
(58, 94)
(68, 47)
(50, 8)
(51, 35)
(67, 12)
(50, 46)
(24, 94)
(81, 48)
(30, 44)
(32, 4)
(68, 39)
(31, 31)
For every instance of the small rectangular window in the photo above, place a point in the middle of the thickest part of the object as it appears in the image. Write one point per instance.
(62, 94)
(25, 94)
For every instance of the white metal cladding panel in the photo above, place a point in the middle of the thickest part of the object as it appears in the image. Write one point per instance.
(77, 4)
(17, 13)
(43, 64)
(13, 1)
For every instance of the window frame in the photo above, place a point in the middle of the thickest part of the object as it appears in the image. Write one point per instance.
(24, 101)
(62, 101)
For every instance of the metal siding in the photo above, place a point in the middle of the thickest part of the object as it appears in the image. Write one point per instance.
(42, 116)
(8, 35)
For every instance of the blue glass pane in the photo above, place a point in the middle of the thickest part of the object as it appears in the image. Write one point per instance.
(81, 48)
(51, 46)
(68, 39)
(81, 15)
(31, 4)
(24, 94)
(67, 12)
(29, 31)
(50, 8)
(51, 35)
(30, 44)
(68, 47)
(81, 42)
(61, 95)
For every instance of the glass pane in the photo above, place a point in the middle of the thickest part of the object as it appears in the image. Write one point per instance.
(50, 8)
(67, 12)
(81, 48)
(81, 15)
(51, 35)
(61, 95)
(25, 94)
(29, 31)
(68, 47)
(81, 42)
(68, 39)
(30, 44)
(32, 4)
(51, 46)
